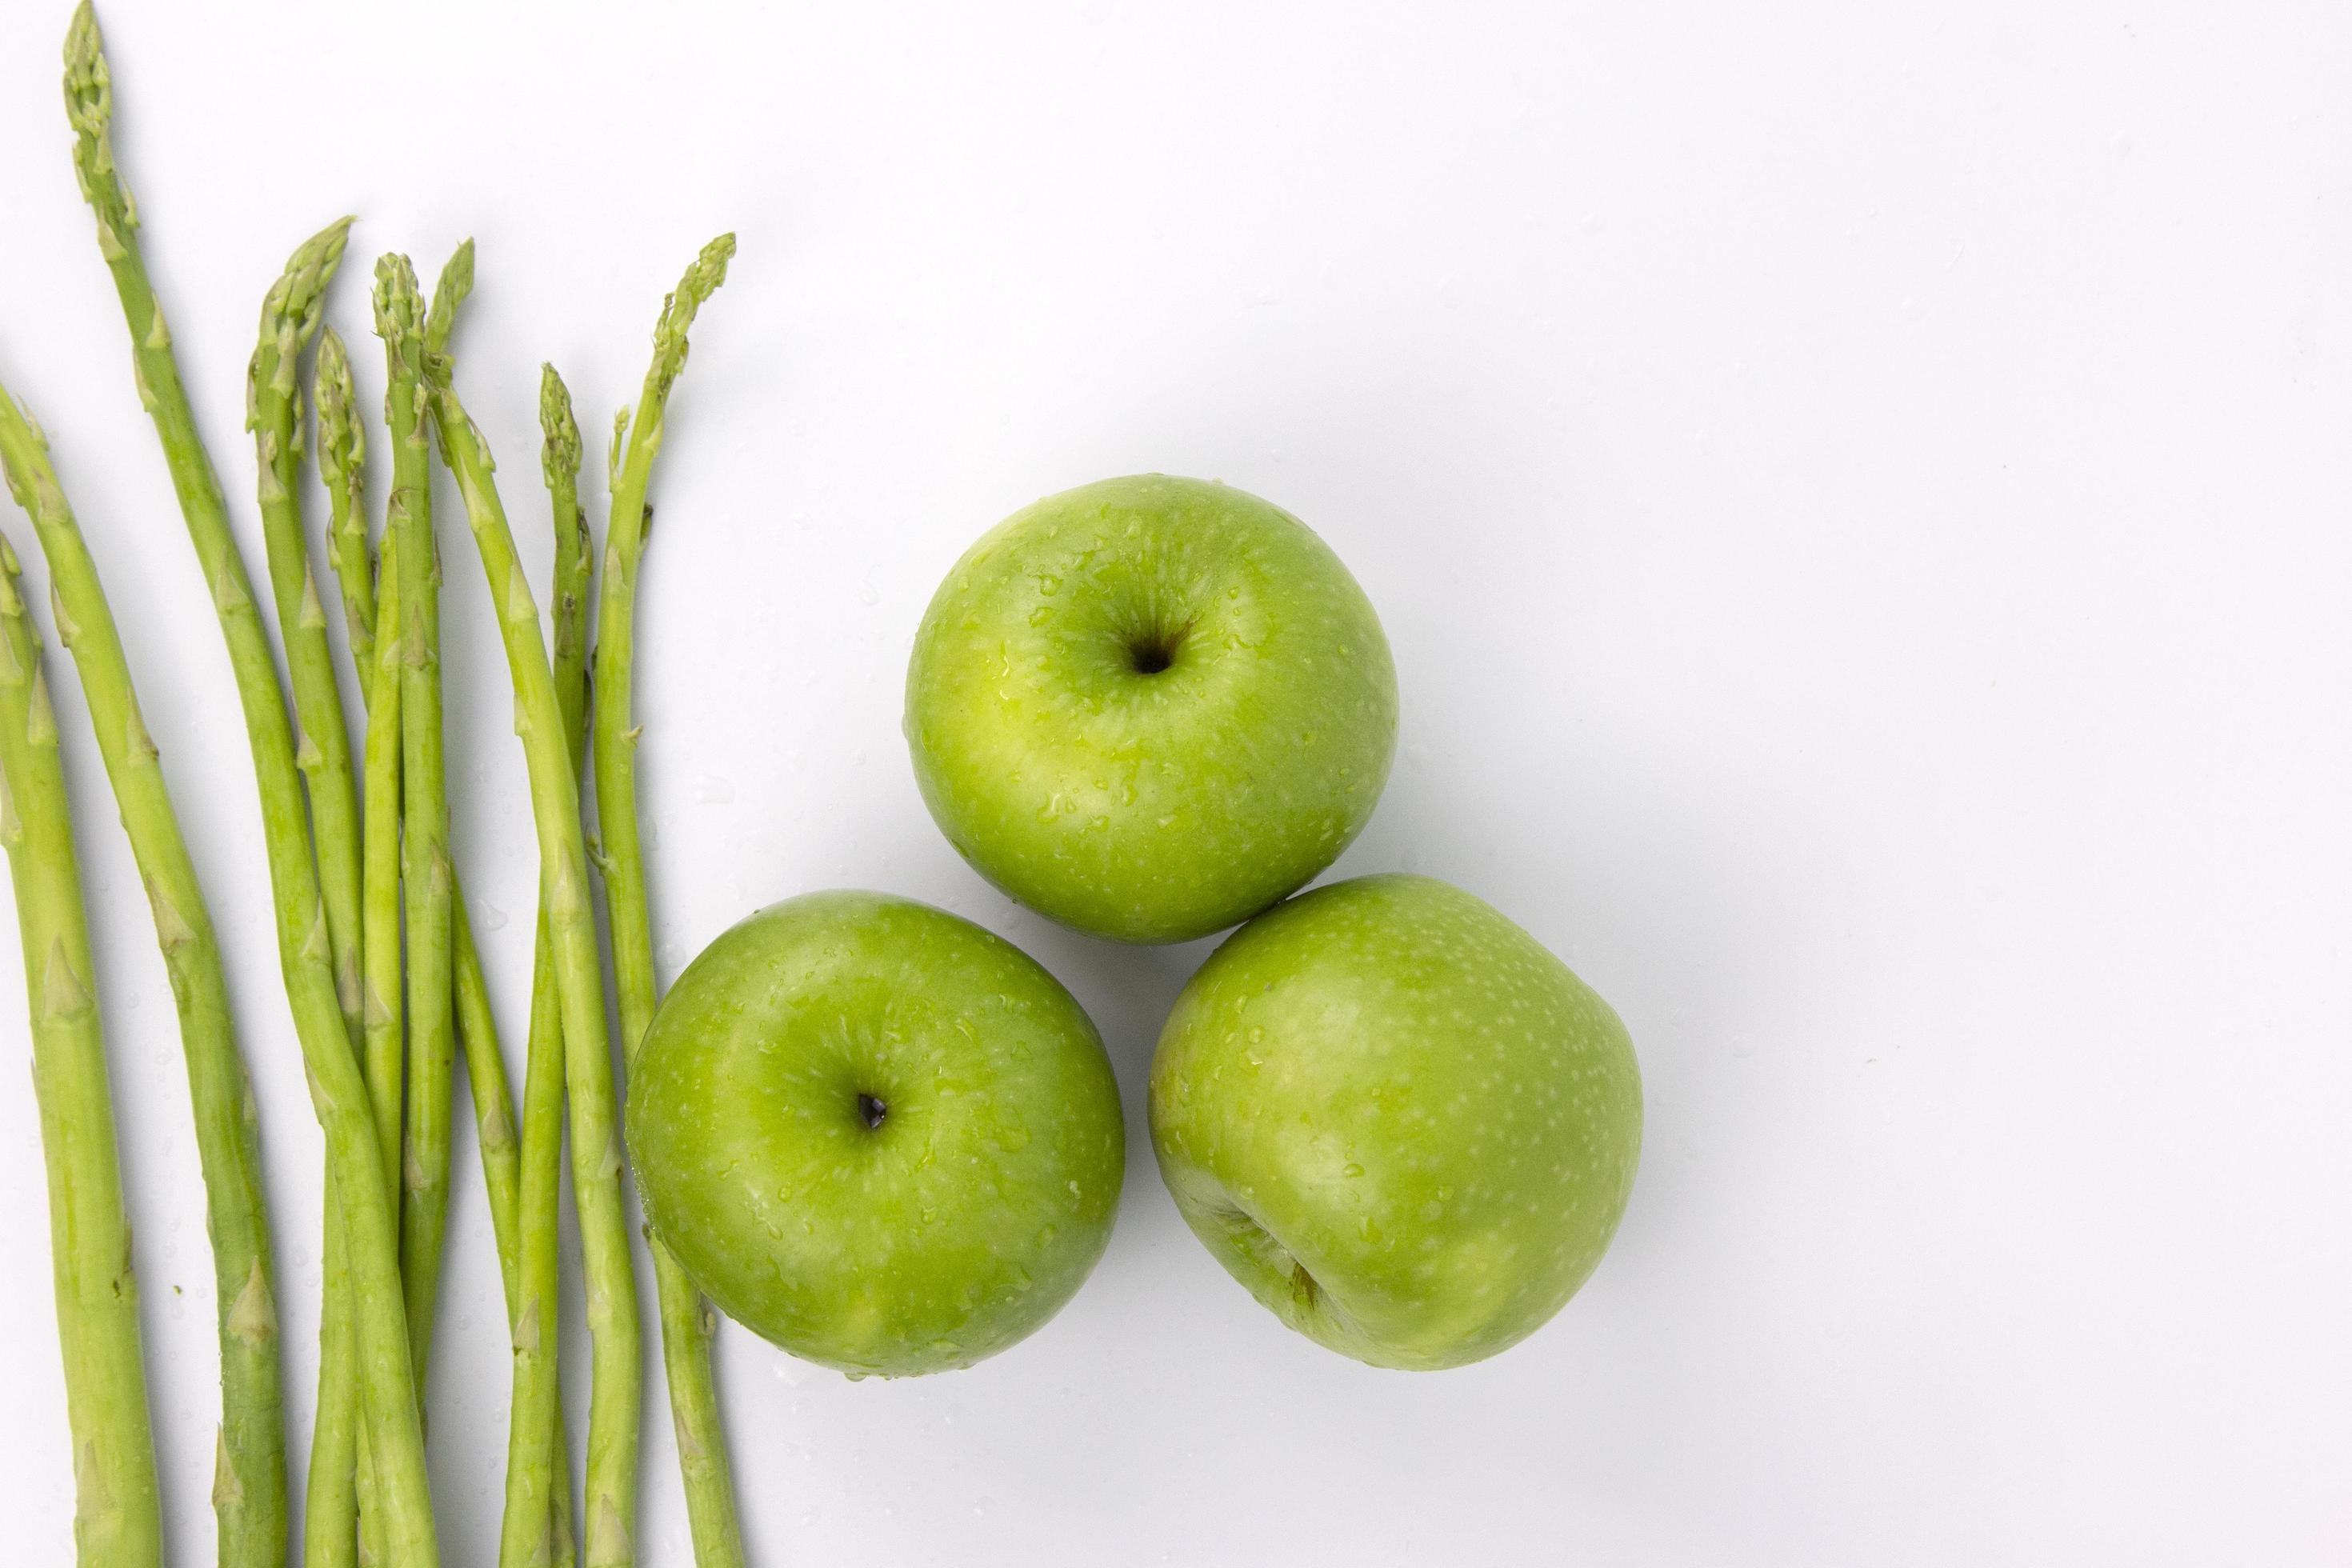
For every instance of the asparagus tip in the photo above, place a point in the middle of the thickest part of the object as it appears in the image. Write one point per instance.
(334, 396)
(334, 370)
(86, 82)
(456, 282)
(397, 303)
(90, 108)
(701, 280)
(559, 453)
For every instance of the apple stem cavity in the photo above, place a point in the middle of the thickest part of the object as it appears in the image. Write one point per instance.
(872, 1110)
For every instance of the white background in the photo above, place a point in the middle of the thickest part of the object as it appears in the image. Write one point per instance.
(1859, 497)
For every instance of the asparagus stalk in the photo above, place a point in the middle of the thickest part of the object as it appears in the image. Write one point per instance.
(250, 1488)
(331, 1496)
(686, 1320)
(289, 318)
(402, 323)
(477, 1027)
(118, 1519)
(382, 1004)
(537, 1526)
(382, 1011)
(339, 1094)
(332, 1499)
(616, 1395)
(486, 1080)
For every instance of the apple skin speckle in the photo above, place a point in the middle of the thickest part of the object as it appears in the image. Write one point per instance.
(876, 1134)
(1151, 706)
(1398, 1120)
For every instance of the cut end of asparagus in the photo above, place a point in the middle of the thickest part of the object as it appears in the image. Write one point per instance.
(560, 452)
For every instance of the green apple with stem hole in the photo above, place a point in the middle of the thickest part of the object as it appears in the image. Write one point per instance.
(1151, 706)
(1398, 1120)
(876, 1134)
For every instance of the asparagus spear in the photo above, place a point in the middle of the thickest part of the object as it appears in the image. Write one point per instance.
(289, 318)
(616, 1395)
(329, 1498)
(331, 1504)
(332, 1499)
(402, 323)
(686, 1320)
(476, 1028)
(118, 1520)
(249, 1489)
(383, 1003)
(392, 1432)
(537, 1526)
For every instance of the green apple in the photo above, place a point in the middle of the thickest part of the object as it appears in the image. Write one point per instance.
(1398, 1120)
(876, 1134)
(1151, 706)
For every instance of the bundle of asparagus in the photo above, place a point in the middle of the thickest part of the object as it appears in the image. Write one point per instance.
(378, 957)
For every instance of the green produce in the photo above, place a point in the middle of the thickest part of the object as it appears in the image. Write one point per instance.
(1398, 1120)
(118, 1519)
(876, 1134)
(411, 337)
(249, 1500)
(616, 1394)
(383, 995)
(341, 454)
(393, 1431)
(331, 1498)
(537, 1523)
(289, 320)
(687, 1324)
(1151, 707)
